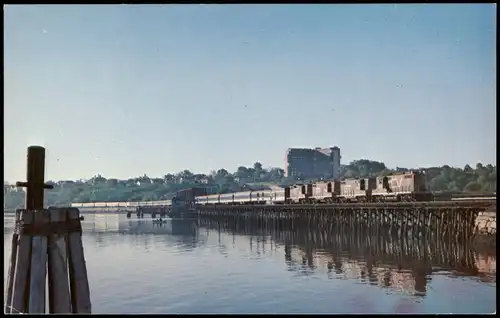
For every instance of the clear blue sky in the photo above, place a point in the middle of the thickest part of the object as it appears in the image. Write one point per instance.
(127, 90)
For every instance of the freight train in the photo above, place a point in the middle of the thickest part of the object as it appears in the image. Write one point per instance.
(408, 186)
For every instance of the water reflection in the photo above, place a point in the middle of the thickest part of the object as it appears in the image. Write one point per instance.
(392, 263)
(109, 228)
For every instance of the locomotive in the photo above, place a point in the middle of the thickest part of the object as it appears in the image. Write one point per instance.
(408, 186)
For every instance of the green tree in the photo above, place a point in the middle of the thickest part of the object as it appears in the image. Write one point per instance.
(473, 186)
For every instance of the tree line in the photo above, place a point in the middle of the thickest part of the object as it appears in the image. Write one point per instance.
(481, 179)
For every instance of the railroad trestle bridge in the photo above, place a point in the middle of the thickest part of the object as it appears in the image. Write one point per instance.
(452, 219)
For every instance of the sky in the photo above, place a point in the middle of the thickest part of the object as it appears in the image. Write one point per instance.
(128, 90)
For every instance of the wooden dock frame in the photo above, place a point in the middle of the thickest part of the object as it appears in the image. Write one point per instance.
(46, 240)
(453, 220)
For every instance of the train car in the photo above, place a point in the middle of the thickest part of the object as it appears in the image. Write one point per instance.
(226, 198)
(278, 197)
(320, 192)
(295, 194)
(270, 196)
(408, 186)
(326, 192)
(260, 196)
(202, 200)
(349, 190)
(212, 199)
(384, 189)
(244, 197)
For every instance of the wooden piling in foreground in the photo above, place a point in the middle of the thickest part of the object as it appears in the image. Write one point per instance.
(46, 241)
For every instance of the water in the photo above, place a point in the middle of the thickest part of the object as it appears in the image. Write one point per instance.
(185, 267)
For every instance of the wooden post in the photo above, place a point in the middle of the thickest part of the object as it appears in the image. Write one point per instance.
(34, 201)
(35, 175)
(31, 252)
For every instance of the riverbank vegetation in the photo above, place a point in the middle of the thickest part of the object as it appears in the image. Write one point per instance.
(480, 179)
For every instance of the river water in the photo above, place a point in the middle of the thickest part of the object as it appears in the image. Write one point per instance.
(187, 266)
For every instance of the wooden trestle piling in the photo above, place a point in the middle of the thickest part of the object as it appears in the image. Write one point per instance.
(46, 240)
(451, 219)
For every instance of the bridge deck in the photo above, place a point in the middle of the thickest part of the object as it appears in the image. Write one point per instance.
(408, 205)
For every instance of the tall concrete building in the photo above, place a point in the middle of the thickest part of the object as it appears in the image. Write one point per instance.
(307, 163)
